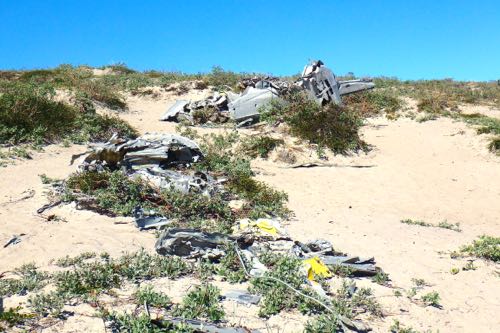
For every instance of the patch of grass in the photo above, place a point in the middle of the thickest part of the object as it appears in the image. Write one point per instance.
(486, 247)
(416, 222)
(419, 282)
(46, 304)
(13, 317)
(130, 323)
(153, 298)
(443, 225)
(397, 327)
(261, 145)
(68, 261)
(220, 78)
(494, 145)
(202, 302)
(276, 296)
(469, 266)
(381, 278)
(230, 267)
(29, 113)
(322, 324)
(432, 299)
(374, 102)
(30, 279)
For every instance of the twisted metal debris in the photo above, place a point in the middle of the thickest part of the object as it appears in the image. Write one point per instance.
(317, 79)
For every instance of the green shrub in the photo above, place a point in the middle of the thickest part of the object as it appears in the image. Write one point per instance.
(153, 298)
(29, 113)
(330, 126)
(202, 302)
(487, 247)
(261, 145)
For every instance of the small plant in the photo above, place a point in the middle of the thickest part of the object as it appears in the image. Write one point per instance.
(68, 261)
(30, 279)
(381, 278)
(153, 298)
(419, 282)
(416, 222)
(202, 302)
(397, 293)
(47, 304)
(469, 266)
(130, 323)
(13, 317)
(397, 327)
(454, 271)
(323, 324)
(444, 224)
(432, 299)
(261, 146)
(486, 247)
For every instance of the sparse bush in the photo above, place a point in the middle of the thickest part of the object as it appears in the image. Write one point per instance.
(261, 145)
(202, 302)
(432, 299)
(153, 298)
(323, 324)
(486, 247)
(30, 279)
(29, 113)
(47, 304)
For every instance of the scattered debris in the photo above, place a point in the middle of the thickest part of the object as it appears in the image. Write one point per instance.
(322, 85)
(244, 108)
(243, 297)
(148, 222)
(14, 240)
(191, 243)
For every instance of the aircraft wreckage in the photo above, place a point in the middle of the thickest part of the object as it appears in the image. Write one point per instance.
(317, 80)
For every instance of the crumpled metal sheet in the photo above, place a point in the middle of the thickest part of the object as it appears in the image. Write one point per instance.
(324, 87)
(248, 104)
(191, 243)
(321, 83)
(143, 221)
(172, 113)
(148, 150)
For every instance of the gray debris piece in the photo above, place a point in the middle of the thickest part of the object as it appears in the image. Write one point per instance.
(143, 221)
(148, 150)
(320, 83)
(191, 243)
(323, 86)
(359, 267)
(14, 240)
(247, 105)
(242, 296)
(174, 110)
(352, 86)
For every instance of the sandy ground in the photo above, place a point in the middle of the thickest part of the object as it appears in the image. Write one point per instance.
(434, 171)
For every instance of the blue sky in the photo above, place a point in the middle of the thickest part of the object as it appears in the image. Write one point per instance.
(407, 39)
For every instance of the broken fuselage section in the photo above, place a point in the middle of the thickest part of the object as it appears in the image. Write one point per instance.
(244, 108)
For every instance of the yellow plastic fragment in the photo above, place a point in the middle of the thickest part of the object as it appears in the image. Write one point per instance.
(265, 226)
(315, 267)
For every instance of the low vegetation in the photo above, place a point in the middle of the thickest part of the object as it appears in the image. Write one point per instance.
(330, 126)
(443, 224)
(29, 113)
(486, 247)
